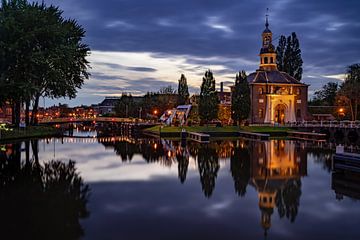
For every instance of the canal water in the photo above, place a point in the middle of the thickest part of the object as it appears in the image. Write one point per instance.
(140, 188)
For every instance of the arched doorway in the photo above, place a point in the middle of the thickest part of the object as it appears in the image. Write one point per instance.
(280, 110)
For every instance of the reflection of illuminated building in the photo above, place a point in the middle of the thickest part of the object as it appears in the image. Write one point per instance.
(276, 168)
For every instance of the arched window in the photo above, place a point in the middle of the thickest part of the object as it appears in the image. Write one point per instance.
(261, 113)
(271, 60)
(261, 91)
(298, 113)
(265, 60)
(298, 91)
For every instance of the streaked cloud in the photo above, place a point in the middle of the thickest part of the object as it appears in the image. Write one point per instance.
(137, 40)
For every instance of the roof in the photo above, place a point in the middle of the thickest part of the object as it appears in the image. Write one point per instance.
(274, 76)
(109, 101)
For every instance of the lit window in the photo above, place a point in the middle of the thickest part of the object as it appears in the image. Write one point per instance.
(261, 90)
(261, 113)
(298, 91)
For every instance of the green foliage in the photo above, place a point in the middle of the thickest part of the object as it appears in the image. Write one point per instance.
(327, 95)
(208, 104)
(158, 102)
(280, 53)
(288, 56)
(126, 107)
(349, 91)
(41, 53)
(240, 99)
(183, 90)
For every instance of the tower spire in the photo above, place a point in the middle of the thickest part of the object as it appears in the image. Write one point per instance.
(267, 16)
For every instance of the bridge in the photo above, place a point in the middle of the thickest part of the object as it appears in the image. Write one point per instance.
(92, 119)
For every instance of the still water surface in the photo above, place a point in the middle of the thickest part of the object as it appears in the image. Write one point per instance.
(126, 188)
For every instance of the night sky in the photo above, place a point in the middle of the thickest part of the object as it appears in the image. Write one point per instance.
(143, 45)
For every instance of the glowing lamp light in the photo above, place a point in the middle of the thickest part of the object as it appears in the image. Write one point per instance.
(341, 110)
(155, 112)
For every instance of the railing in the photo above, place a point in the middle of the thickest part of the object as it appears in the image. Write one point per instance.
(325, 124)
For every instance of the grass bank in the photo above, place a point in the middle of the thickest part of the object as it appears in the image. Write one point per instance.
(28, 132)
(224, 129)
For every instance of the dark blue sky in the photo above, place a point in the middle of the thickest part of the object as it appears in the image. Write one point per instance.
(142, 45)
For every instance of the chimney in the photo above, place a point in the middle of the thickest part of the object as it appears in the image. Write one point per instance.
(221, 87)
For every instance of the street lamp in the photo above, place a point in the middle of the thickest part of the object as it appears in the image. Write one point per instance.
(341, 112)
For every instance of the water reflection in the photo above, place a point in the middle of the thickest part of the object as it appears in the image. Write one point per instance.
(40, 201)
(274, 168)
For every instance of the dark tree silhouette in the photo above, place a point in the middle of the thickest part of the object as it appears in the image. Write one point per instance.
(208, 164)
(288, 199)
(240, 169)
(40, 201)
(183, 163)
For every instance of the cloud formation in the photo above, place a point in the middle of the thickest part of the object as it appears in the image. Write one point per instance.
(138, 41)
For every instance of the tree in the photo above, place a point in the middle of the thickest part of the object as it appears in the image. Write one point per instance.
(280, 53)
(288, 56)
(349, 90)
(240, 99)
(208, 104)
(41, 54)
(126, 107)
(183, 90)
(327, 95)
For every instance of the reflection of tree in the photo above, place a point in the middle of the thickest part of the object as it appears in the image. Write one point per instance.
(40, 201)
(322, 156)
(208, 162)
(288, 199)
(125, 150)
(240, 169)
(183, 163)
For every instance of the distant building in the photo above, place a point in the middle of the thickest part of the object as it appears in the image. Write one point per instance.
(276, 97)
(5, 112)
(107, 106)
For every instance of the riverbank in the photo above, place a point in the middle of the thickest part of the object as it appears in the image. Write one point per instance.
(225, 131)
(29, 132)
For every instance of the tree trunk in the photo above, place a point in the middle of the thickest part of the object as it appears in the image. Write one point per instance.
(12, 112)
(34, 119)
(17, 113)
(351, 110)
(355, 110)
(27, 112)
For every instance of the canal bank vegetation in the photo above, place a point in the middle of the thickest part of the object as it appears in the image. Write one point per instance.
(28, 132)
(224, 129)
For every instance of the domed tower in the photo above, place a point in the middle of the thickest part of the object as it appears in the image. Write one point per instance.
(267, 52)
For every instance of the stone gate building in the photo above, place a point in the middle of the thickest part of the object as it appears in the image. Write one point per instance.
(276, 97)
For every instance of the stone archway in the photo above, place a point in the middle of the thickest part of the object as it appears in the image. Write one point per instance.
(280, 113)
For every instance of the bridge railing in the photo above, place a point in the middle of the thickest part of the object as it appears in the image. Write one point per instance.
(97, 119)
